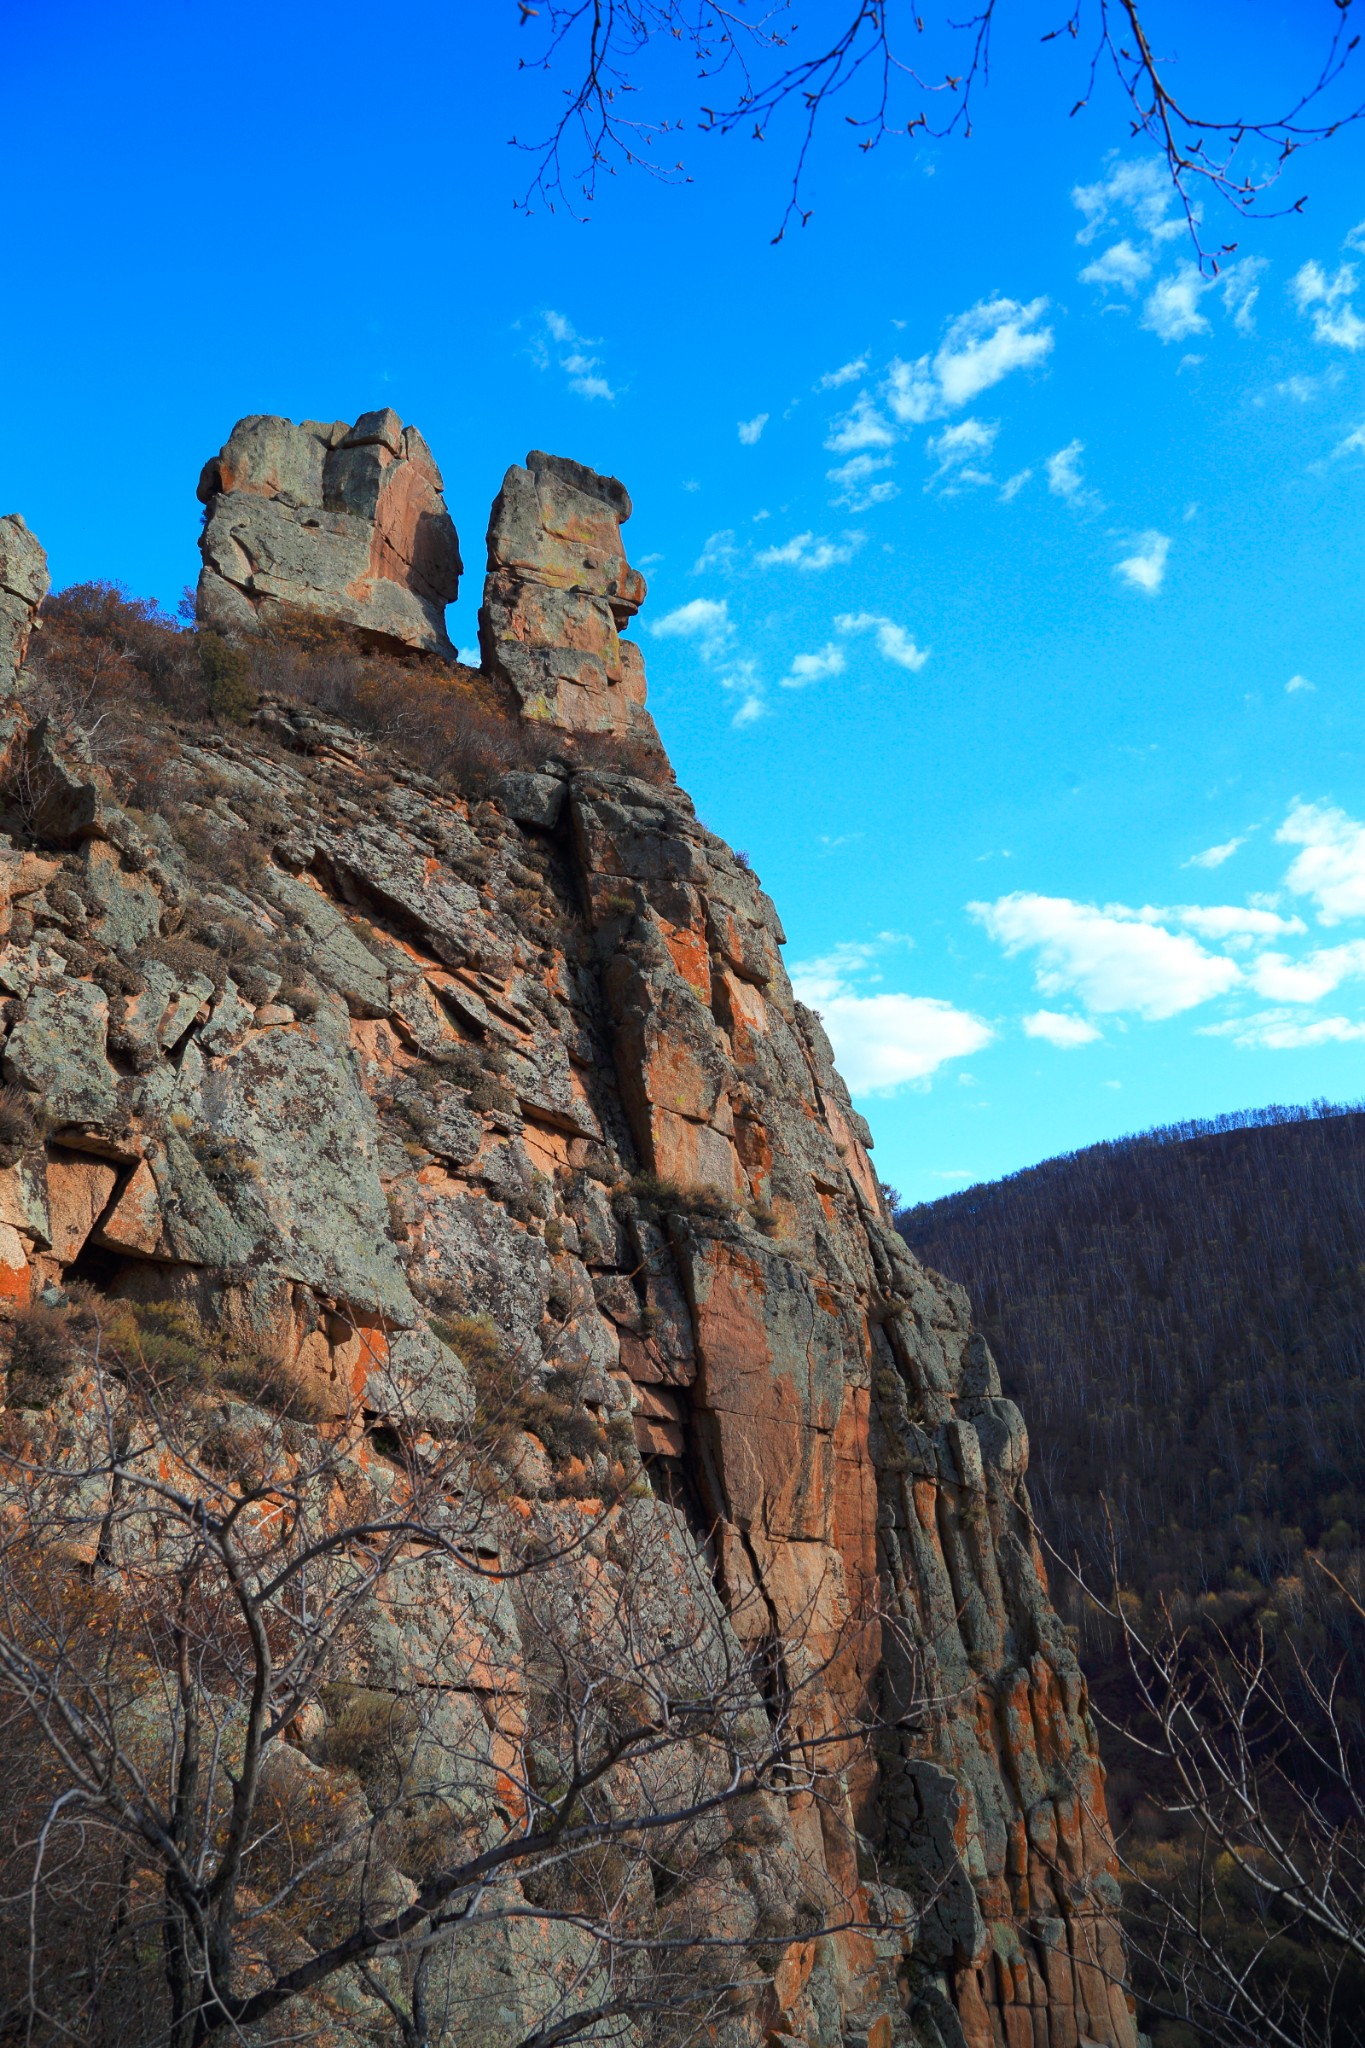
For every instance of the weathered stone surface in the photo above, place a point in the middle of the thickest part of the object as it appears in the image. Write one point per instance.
(348, 523)
(558, 591)
(525, 1078)
(24, 583)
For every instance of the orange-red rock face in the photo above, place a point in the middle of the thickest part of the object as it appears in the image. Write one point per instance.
(551, 1069)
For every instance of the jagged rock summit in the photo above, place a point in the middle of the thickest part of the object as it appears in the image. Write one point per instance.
(359, 1063)
(346, 522)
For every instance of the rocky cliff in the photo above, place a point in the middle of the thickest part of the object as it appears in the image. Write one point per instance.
(340, 1056)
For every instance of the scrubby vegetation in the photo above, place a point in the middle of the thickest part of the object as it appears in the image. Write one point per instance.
(123, 666)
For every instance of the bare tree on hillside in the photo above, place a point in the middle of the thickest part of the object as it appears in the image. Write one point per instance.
(892, 74)
(1245, 1867)
(304, 1728)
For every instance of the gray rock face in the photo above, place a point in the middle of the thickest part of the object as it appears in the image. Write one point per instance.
(343, 522)
(24, 583)
(515, 1088)
(558, 591)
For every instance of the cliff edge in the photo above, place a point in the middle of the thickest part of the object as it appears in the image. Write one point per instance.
(433, 1096)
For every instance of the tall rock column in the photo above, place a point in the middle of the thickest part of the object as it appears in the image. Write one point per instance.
(558, 592)
(24, 583)
(345, 522)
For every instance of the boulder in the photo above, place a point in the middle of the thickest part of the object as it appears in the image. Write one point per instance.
(347, 523)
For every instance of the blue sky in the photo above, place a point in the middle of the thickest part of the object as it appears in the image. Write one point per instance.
(1006, 597)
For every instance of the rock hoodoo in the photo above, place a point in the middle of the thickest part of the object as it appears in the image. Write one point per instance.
(344, 522)
(559, 590)
(534, 1054)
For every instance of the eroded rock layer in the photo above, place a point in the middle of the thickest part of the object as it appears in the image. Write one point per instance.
(537, 1056)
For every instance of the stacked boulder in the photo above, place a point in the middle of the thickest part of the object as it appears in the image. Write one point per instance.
(344, 522)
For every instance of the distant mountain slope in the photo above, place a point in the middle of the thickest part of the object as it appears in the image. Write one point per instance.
(1181, 1316)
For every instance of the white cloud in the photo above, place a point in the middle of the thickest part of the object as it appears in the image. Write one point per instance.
(1064, 477)
(1355, 239)
(883, 1041)
(1227, 922)
(1241, 291)
(1013, 485)
(1140, 191)
(893, 641)
(1145, 568)
(813, 668)
(1331, 867)
(704, 619)
(958, 450)
(847, 373)
(1353, 444)
(1214, 856)
(1172, 308)
(1142, 197)
(806, 551)
(749, 430)
(719, 551)
(1283, 1031)
(1112, 959)
(862, 426)
(856, 491)
(979, 348)
(1328, 302)
(583, 369)
(1297, 683)
(1060, 1028)
(1123, 266)
(1308, 980)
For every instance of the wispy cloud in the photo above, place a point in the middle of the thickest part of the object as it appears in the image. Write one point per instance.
(810, 552)
(958, 452)
(1214, 856)
(1328, 303)
(1285, 1031)
(1064, 478)
(719, 551)
(1137, 200)
(894, 643)
(1138, 192)
(750, 430)
(847, 373)
(1145, 568)
(1296, 684)
(1123, 267)
(583, 368)
(705, 620)
(979, 348)
(1172, 310)
(861, 427)
(1061, 1028)
(856, 490)
(813, 668)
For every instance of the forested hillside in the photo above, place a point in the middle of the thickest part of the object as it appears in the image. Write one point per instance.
(1181, 1317)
